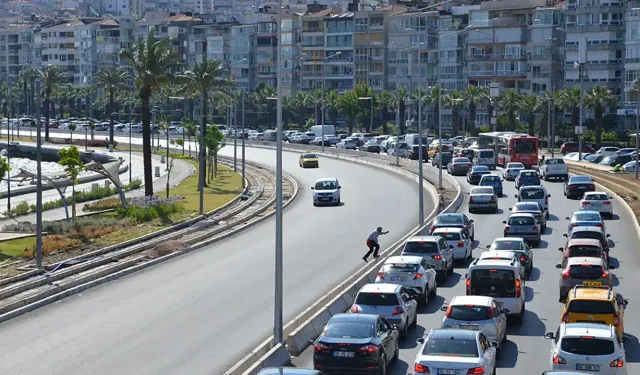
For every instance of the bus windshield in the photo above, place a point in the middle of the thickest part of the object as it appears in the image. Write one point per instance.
(524, 146)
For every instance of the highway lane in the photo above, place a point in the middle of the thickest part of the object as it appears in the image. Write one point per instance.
(527, 352)
(198, 313)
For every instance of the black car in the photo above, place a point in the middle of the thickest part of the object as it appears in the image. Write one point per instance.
(453, 220)
(466, 153)
(533, 208)
(476, 173)
(614, 160)
(288, 371)
(592, 158)
(356, 344)
(446, 159)
(413, 152)
(576, 186)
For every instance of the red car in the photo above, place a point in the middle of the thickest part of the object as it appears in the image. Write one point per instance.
(569, 147)
(583, 247)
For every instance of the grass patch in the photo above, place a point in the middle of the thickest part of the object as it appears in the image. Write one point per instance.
(15, 248)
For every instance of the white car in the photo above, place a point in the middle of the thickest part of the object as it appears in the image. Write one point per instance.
(413, 273)
(588, 347)
(536, 194)
(513, 170)
(607, 151)
(597, 201)
(478, 313)
(503, 255)
(396, 148)
(326, 191)
(554, 168)
(347, 144)
(456, 237)
(456, 351)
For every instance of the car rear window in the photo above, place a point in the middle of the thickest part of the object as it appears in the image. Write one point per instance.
(587, 234)
(449, 236)
(400, 267)
(469, 313)
(448, 347)
(515, 166)
(555, 161)
(493, 283)
(461, 161)
(587, 346)
(490, 178)
(480, 169)
(482, 190)
(532, 194)
(584, 250)
(347, 330)
(580, 180)
(309, 156)
(449, 219)
(531, 206)
(528, 174)
(521, 220)
(596, 197)
(506, 245)
(377, 299)
(591, 307)
(587, 217)
(578, 271)
(486, 154)
(422, 247)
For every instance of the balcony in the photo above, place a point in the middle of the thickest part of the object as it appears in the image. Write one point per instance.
(512, 73)
(361, 28)
(339, 60)
(312, 29)
(339, 75)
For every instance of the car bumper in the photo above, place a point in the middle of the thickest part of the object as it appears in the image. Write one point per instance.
(459, 170)
(602, 209)
(483, 206)
(310, 164)
(459, 252)
(604, 369)
(525, 236)
(325, 200)
(473, 180)
(578, 192)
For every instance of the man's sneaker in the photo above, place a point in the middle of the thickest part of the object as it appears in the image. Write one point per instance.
(365, 259)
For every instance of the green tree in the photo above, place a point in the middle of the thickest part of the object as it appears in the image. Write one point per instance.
(364, 91)
(475, 96)
(70, 160)
(599, 98)
(401, 94)
(569, 99)
(432, 98)
(190, 130)
(214, 143)
(455, 101)
(349, 105)
(4, 169)
(531, 105)
(112, 80)
(52, 77)
(384, 101)
(264, 105)
(153, 62)
(72, 128)
(509, 102)
(28, 76)
(332, 105)
(92, 128)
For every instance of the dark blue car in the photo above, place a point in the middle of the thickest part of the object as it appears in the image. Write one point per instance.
(494, 181)
(528, 177)
(476, 172)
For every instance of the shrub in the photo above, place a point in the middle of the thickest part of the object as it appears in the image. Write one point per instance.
(20, 209)
(133, 184)
(148, 208)
(53, 243)
(104, 204)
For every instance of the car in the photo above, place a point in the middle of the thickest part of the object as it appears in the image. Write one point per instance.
(413, 152)
(583, 247)
(527, 177)
(537, 194)
(457, 237)
(576, 186)
(397, 148)
(455, 351)
(494, 181)
(606, 151)
(308, 160)
(392, 302)
(477, 313)
(590, 232)
(568, 147)
(453, 220)
(288, 371)
(554, 168)
(412, 272)
(483, 198)
(459, 166)
(356, 343)
(613, 160)
(512, 170)
(435, 250)
(597, 201)
(476, 172)
(592, 158)
(326, 191)
(503, 255)
(625, 151)
(589, 347)
(518, 246)
(533, 208)
(465, 153)
(371, 146)
(446, 159)
(470, 141)
(500, 279)
(595, 305)
(455, 141)
(587, 271)
(347, 144)
(523, 226)
(631, 166)
(586, 219)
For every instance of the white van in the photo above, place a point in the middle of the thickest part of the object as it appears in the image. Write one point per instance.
(500, 279)
(414, 139)
(536, 194)
(484, 157)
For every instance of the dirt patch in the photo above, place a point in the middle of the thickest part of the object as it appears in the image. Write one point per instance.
(166, 248)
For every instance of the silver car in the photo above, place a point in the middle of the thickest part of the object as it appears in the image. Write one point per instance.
(533, 208)
(483, 198)
(513, 170)
(434, 249)
(414, 273)
(587, 271)
(391, 301)
(523, 226)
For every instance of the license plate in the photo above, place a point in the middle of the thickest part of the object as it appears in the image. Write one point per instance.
(592, 283)
(582, 187)
(398, 278)
(444, 371)
(473, 327)
(596, 204)
(584, 367)
(344, 354)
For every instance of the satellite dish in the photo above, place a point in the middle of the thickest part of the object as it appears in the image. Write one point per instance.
(576, 65)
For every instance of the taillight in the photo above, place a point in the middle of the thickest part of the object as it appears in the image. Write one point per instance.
(600, 225)
(381, 275)
(470, 199)
(565, 317)
(522, 259)
(320, 347)
(468, 287)
(605, 274)
(460, 244)
(571, 186)
(506, 227)
(573, 225)
(448, 313)
(433, 227)
(417, 276)
(490, 310)
(493, 199)
(436, 257)
(535, 227)
(559, 360)
(420, 369)
(518, 290)
(591, 186)
(355, 309)
(368, 349)
(565, 274)
(617, 363)
(606, 203)
(616, 320)
(585, 203)
(476, 371)
(398, 310)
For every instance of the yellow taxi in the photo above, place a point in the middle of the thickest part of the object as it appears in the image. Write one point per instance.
(595, 305)
(434, 148)
(308, 160)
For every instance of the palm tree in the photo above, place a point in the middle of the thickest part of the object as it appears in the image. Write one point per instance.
(599, 98)
(531, 105)
(570, 99)
(51, 77)
(153, 62)
(475, 96)
(455, 101)
(332, 105)
(72, 128)
(384, 101)
(349, 105)
(112, 80)
(28, 76)
(509, 102)
(400, 97)
(433, 98)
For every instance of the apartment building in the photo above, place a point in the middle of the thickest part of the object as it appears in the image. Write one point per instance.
(314, 53)
(370, 41)
(16, 51)
(629, 107)
(291, 25)
(339, 60)
(243, 56)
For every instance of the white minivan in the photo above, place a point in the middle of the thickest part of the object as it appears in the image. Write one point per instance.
(484, 157)
(536, 194)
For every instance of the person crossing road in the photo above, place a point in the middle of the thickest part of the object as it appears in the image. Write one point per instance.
(372, 243)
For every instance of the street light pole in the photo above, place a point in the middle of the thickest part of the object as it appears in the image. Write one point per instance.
(39, 180)
(278, 328)
(420, 149)
(440, 141)
(323, 78)
(8, 160)
(243, 164)
(130, 126)
(581, 77)
(637, 125)
(231, 110)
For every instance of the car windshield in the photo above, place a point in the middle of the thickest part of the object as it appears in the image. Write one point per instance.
(422, 247)
(596, 197)
(587, 216)
(524, 146)
(515, 166)
(448, 347)
(584, 250)
(608, 160)
(309, 156)
(591, 307)
(449, 219)
(591, 157)
(486, 154)
(493, 283)
(532, 194)
(449, 236)
(587, 346)
(377, 299)
(521, 220)
(400, 267)
(585, 271)
(326, 185)
(506, 245)
(347, 330)
(580, 180)
(469, 313)
(461, 161)
(555, 161)
(482, 190)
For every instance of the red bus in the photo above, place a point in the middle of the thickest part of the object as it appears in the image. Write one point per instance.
(512, 147)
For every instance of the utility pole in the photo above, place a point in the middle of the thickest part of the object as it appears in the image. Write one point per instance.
(8, 159)
(278, 326)
(243, 164)
(581, 65)
(39, 180)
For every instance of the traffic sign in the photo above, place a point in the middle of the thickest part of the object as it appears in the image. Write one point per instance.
(581, 130)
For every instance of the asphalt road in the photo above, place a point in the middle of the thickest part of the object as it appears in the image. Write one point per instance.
(199, 313)
(527, 352)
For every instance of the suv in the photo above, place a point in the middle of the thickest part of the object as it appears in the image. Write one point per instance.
(517, 246)
(500, 279)
(568, 147)
(536, 194)
(587, 271)
(494, 181)
(390, 301)
(527, 177)
(587, 347)
(554, 168)
(434, 249)
(595, 305)
(413, 273)
(456, 237)
(590, 232)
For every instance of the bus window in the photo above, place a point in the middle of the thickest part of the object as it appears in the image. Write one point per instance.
(524, 146)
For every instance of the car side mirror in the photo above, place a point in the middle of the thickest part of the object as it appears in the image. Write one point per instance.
(420, 340)
(494, 344)
(465, 275)
(450, 246)
(612, 267)
(559, 266)
(608, 235)
(625, 302)
(567, 218)
(511, 209)
(515, 196)
(548, 195)
(471, 221)
(567, 236)
(444, 308)
(339, 187)
(560, 249)
(395, 327)
(504, 222)
(488, 246)
(610, 197)
(313, 188)
(506, 311)
(549, 336)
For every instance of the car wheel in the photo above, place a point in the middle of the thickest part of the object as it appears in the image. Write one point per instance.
(424, 300)
(434, 291)
(396, 354)
(383, 364)
(520, 317)
(405, 331)
(415, 320)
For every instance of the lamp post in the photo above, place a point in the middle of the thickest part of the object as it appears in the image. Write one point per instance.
(440, 141)
(242, 97)
(323, 83)
(637, 86)
(39, 180)
(6, 113)
(278, 327)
